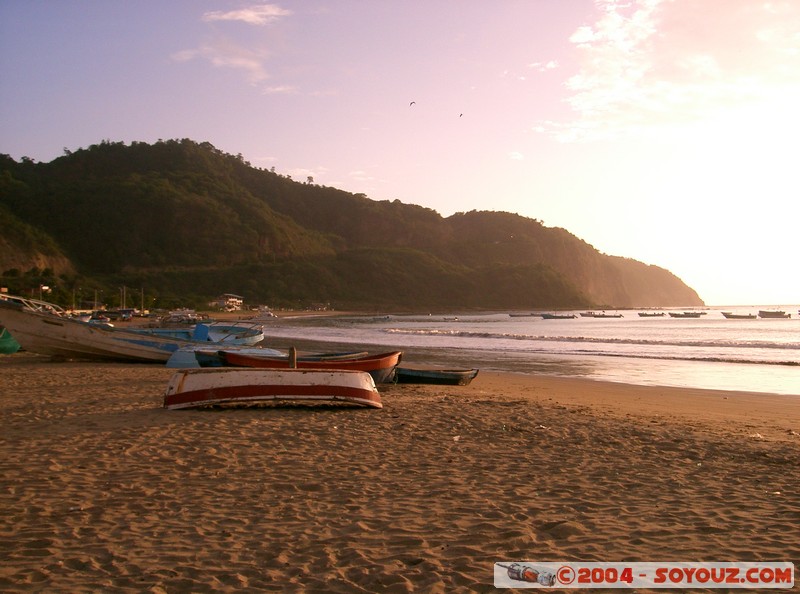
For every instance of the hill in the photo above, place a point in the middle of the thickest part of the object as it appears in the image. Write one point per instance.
(188, 222)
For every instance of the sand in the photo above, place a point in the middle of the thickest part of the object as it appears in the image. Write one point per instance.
(102, 489)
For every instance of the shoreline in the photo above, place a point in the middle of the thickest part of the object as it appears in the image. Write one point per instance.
(111, 491)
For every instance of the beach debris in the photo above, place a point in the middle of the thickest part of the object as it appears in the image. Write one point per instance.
(794, 433)
(526, 573)
(756, 436)
(457, 438)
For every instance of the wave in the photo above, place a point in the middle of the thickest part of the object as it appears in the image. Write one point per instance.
(717, 343)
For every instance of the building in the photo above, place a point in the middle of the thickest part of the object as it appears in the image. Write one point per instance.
(228, 302)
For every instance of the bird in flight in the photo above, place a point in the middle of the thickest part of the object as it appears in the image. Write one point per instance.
(412, 103)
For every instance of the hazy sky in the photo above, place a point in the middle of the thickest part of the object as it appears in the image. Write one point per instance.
(661, 130)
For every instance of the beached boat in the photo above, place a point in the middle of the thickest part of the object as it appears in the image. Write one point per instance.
(773, 314)
(651, 314)
(380, 367)
(449, 377)
(205, 355)
(44, 328)
(193, 388)
(734, 316)
(686, 314)
(238, 333)
(8, 345)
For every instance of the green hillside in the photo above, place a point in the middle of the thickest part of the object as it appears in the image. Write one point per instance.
(186, 222)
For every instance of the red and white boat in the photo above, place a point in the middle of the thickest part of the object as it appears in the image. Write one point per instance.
(380, 367)
(194, 388)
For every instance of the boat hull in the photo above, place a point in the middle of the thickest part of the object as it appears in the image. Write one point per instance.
(194, 388)
(380, 367)
(445, 377)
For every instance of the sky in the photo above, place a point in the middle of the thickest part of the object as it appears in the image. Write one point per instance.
(660, 130)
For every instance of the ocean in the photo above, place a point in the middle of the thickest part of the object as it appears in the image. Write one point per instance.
(711, 352)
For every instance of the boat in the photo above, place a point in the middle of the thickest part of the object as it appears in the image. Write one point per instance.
(238, 333)
(205, 355)
(734, 316)
(651, 314)
(553, 316)
(8, 344)
(686, 314)
(449, 377)
(380, 367)
(45, 328)
(773, 314)
(194, 388)
(605, 315)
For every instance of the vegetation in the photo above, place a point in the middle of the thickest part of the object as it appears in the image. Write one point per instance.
(181, 222)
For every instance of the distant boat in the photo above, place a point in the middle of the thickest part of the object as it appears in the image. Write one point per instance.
(651, 314)
(734, 316)
(450, 377)
(773, 314)
(380, 367)
(686, 314)
(605, 315)
(554, 316)
(193, 388)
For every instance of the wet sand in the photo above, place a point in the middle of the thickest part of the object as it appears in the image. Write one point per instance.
(102, 489)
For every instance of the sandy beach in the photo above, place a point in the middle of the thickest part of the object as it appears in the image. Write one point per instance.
(102, 489)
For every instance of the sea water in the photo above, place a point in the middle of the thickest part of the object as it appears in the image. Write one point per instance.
(712, 352)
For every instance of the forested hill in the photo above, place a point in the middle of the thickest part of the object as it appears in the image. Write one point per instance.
(189, 221)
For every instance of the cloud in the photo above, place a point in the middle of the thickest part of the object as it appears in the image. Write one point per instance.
(225, 54)
(516, 156)
(650, 64)
(255, 15)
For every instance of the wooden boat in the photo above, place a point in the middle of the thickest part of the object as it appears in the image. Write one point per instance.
(449, 377)
(238, 333)
(44, 328)
(773, 314)
(194, 388)
(380, 367)
(8, 345)
(553, 316)
(605, 315)
(686, 314)
(204, 355)
(734, 316)
(651, 314)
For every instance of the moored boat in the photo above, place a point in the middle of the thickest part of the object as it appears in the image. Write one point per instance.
(193, 388)
(773, 314)
(736, 316)
(554, 316)
(686, 314)
(449, 377)
(651, 314)
(380, 367)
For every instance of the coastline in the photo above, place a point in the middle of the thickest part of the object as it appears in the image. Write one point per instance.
(111, 491)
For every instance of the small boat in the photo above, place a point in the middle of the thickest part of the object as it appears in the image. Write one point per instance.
(238, 333)
(686, 314)
(194, 388)
(204, 355)
(605, 315)
(734, 316)
(8, 345)
(554, 316)
(380, 367)
(773, 314)
(449, 377)
(651, 314)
